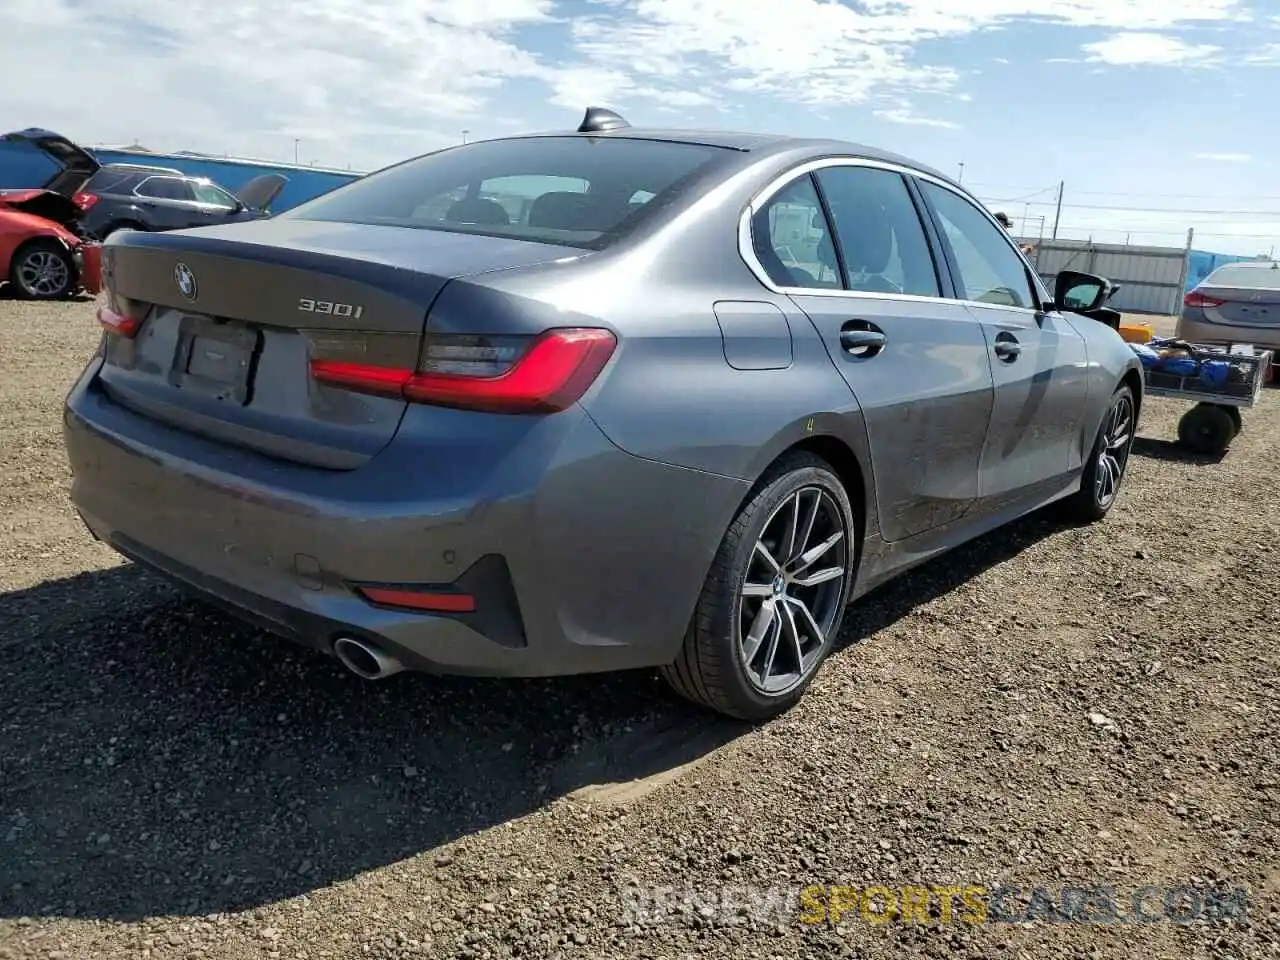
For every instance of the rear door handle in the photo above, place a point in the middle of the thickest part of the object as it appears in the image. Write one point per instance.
(1007, 347)
(862, 339)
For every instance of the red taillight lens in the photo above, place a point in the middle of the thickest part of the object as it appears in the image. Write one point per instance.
(84, 200)
(1197, 299)
(408, 598)
(118, 323)
(492, 374)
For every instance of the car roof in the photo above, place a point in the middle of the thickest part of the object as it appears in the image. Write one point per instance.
(746, 142)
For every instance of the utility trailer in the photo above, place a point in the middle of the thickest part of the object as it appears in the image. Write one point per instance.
(1209, 427)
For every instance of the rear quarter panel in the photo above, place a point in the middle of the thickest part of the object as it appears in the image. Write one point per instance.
(670, 393)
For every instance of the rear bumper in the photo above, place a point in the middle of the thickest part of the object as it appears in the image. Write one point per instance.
(1217, 334)
(564, 540)
(88, 260)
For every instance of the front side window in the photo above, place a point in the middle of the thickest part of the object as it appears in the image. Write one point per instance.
(216, 196)
(573, 190)
(989, 269)
(791, 239)
(881, 237)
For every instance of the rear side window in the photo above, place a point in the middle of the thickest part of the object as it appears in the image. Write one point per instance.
(989, 269)
(578, 191)
(791, 239)
(107, 180)
(165, 188)
(881, 238)
(216, 196)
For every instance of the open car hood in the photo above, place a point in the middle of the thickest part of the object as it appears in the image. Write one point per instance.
(258, 193)
(42, 203)
(76, 165)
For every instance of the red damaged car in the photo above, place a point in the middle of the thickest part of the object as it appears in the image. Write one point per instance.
(41, 254)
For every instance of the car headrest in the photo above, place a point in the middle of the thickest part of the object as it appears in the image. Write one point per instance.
(565, 210)
(867, 241)
(477, 210)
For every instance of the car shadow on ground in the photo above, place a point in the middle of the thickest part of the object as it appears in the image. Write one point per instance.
(7, 293)
(158, 758)
(1171, 451)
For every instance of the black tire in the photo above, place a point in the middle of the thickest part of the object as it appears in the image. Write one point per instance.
(43, 270)
(1236, 419)
(714, 668)
(1206, 429)
(1108, 461)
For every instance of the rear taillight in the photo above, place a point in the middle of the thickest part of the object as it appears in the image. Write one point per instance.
(84, 200)
(119, 315)
(1197, 299)
(118, 323)
(499, 374)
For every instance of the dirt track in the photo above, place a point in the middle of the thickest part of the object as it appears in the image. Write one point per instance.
(174, 785)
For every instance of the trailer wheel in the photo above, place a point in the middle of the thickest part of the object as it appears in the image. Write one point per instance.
(1236, 419)
(1207, 429)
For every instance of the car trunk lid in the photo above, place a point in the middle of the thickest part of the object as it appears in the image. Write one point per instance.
(1241, 305)
(75, 165)
(231, 317)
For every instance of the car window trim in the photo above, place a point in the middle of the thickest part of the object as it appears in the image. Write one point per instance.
(833, 233)
(807, 168)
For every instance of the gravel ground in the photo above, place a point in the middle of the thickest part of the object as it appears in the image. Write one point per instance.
(1047, 707)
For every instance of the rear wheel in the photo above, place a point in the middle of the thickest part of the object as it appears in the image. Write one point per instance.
(42, 270)
(1108, 460)
(774, 599)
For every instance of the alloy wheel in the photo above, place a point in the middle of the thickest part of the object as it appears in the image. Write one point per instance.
(43, 273)
(793, 592)
(1117, 438)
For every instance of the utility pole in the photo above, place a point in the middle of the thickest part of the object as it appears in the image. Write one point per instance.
(464, 135)
(296, 141)
(960, 179)
(1058, 216)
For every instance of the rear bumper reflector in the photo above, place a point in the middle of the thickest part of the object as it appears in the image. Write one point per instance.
(427, 601)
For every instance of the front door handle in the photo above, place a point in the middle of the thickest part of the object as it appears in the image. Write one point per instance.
(1007, 347)
(861, 342)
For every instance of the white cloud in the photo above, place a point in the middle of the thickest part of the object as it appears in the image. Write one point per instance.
(367, 82)
(250, 75)
(1267, 55)
(821, 52)
(1127, 49)
(1224, 157)
(904, 114)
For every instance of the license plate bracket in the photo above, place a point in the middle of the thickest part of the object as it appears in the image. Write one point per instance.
(215, 358)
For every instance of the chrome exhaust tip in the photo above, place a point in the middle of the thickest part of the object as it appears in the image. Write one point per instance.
(364, 659)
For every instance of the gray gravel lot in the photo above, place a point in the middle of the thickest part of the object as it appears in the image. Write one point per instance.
(1047, 707)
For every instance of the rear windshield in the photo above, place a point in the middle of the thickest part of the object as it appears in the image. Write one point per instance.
(1250, 276)
(578, 191)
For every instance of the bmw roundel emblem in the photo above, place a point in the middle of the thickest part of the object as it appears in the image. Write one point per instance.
(186, 281)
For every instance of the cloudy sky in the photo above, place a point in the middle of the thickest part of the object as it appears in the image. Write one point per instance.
(1156, 113)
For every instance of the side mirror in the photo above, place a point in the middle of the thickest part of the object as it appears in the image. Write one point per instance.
(1081, 292)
